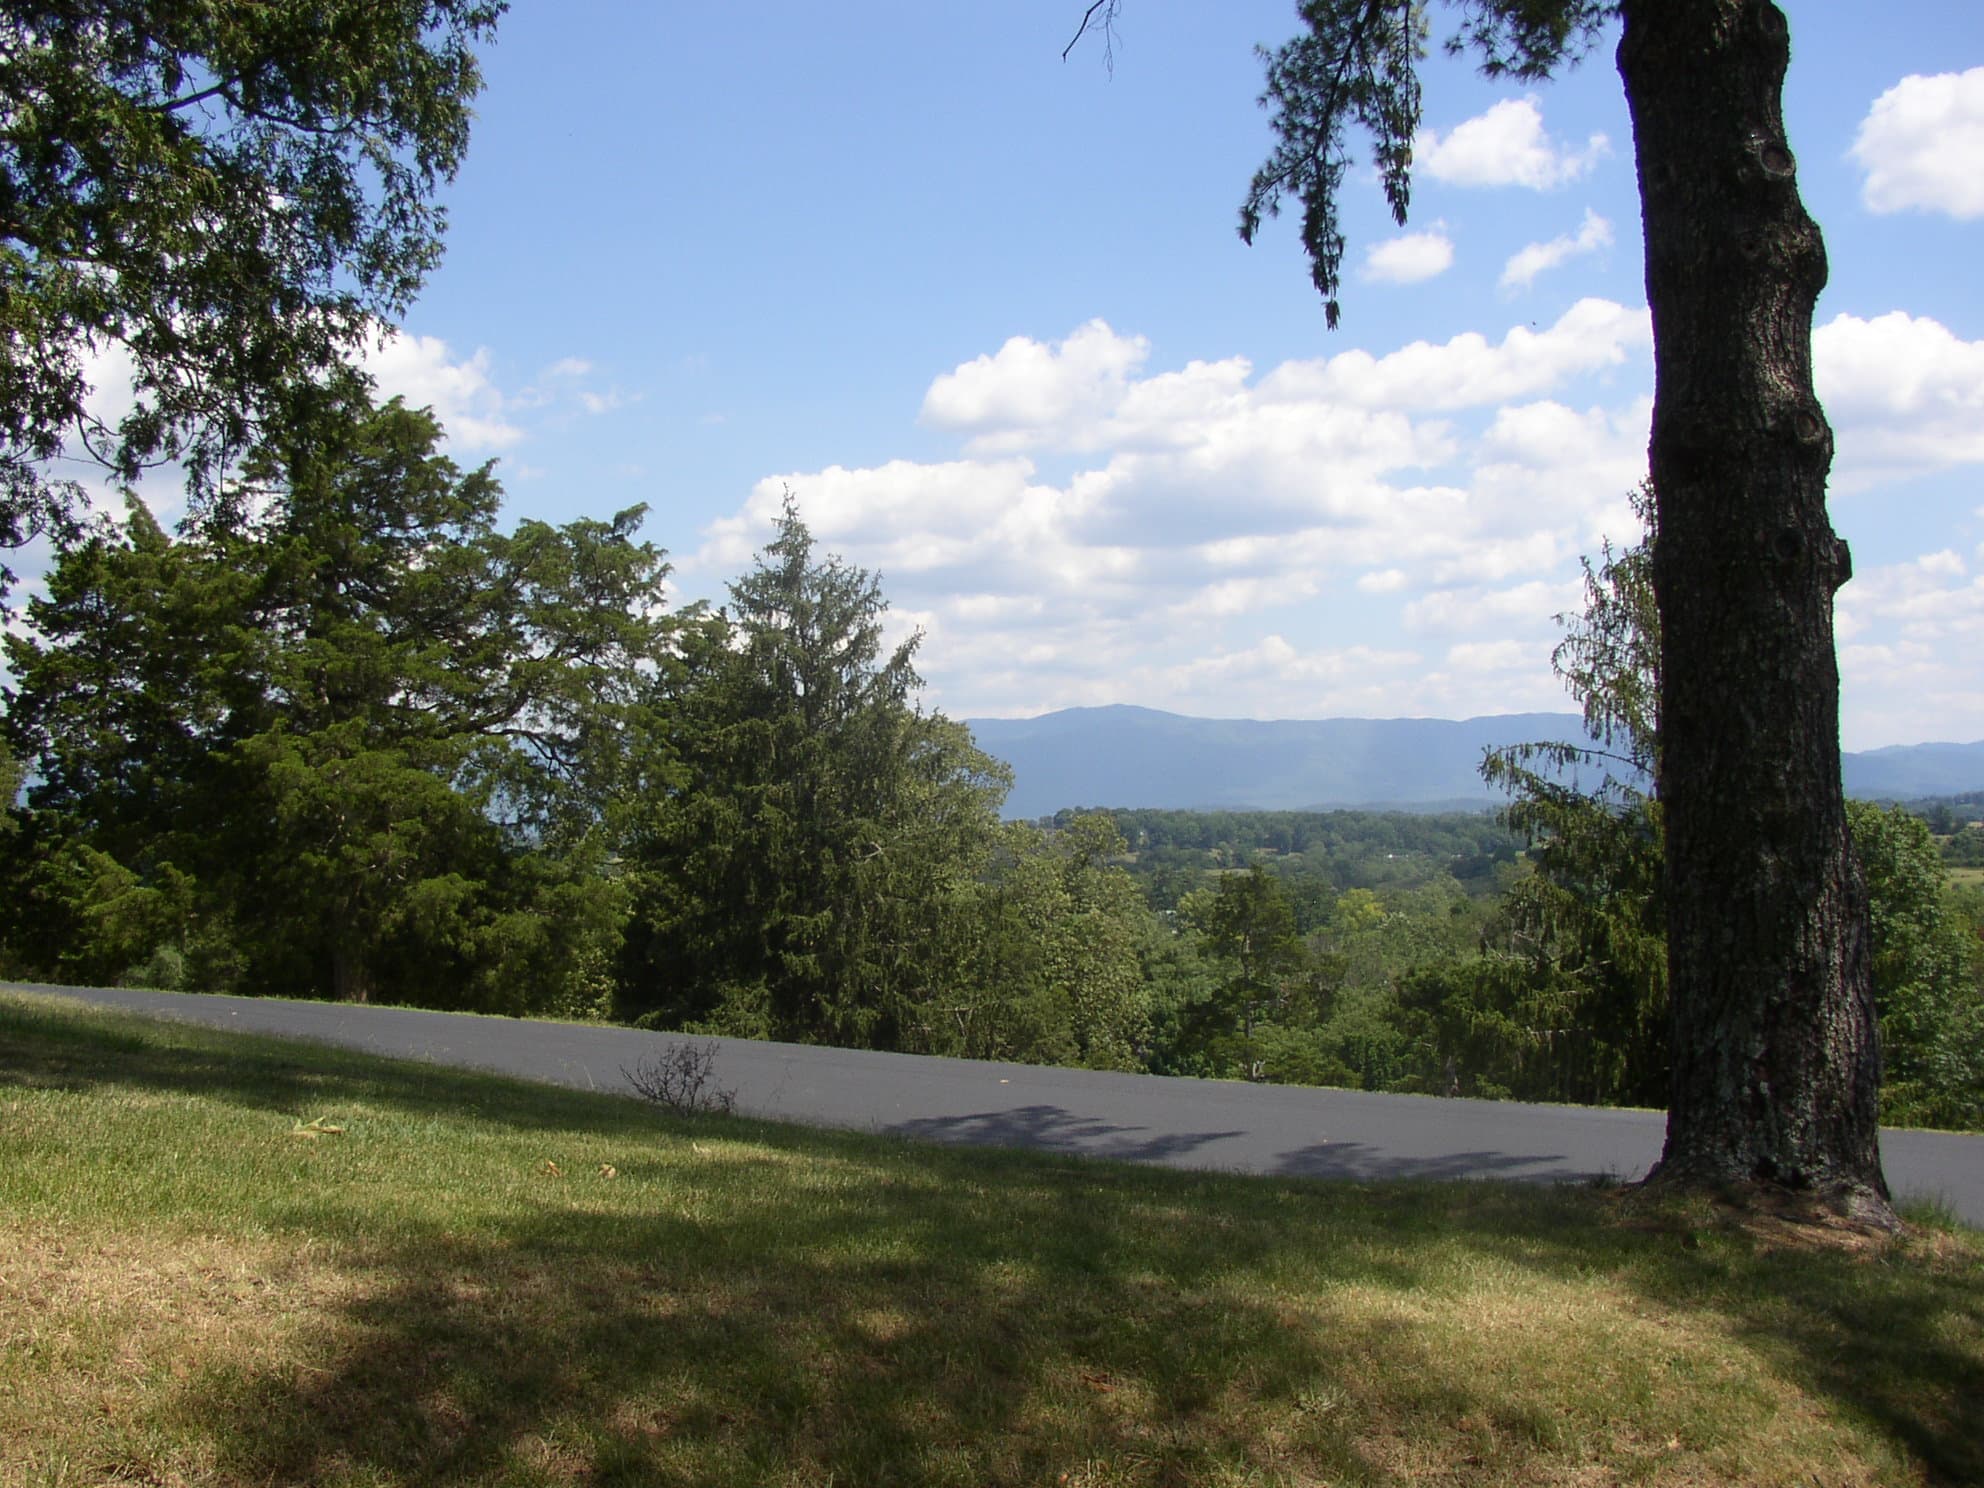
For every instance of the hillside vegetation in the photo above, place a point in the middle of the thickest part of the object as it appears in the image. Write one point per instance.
(230, 1261)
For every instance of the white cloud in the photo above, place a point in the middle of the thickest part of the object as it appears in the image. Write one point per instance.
(1920, 145)
(422, 370)
(1493, 560)
(1904, 393)
(1083, 394)
(1499, 656)
(1542, 466)
(1207, 538)
(1244, 596)
(1034, 388)
(1532, 605)
(1910, 634)
(1468, 371)
(1932, 598)
(1523, 266)
(1506, 146)
(1410, 259)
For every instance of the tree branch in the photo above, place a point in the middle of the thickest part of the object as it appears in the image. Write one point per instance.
(1108, 10)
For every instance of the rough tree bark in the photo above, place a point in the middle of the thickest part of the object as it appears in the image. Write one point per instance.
(1776, 1070)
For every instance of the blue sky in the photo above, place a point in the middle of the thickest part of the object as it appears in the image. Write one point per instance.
(986, 314)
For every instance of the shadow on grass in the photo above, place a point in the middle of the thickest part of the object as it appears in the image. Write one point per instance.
(811, 1307)
(1897, 1341)
(654, 1351)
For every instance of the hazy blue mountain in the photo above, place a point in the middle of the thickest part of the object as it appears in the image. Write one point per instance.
(1127, 756)
(1903, 772)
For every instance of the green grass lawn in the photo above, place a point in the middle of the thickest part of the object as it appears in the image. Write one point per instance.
(235, 1261)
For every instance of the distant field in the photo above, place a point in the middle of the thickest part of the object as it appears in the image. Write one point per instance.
(1967, 875)
(232, 1261)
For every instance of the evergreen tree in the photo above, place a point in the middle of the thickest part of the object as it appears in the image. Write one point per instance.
(359, 729)
(813, 832)
(1581, 938)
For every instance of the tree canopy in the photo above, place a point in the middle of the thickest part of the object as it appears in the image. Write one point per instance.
(347, 729)
(214, 200)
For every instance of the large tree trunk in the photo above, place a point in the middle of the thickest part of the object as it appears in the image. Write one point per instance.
(1776, 1070)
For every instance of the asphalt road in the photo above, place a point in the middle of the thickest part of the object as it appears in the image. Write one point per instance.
(1179, 1123)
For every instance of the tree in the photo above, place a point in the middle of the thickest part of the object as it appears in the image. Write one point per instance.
(809, 829)
(1250, 924)
(1928, 975)
(1776, 1067)
(222, 196)
(342, 716)
(1054, 970)
(1583, 933)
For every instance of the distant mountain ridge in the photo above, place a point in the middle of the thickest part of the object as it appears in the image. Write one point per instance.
(1130, 757)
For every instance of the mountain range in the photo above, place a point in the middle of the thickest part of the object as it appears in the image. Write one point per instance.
(1140, 757)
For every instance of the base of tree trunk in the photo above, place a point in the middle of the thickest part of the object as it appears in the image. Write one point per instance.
(1844, 1210)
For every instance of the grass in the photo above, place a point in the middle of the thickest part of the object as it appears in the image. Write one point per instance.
(226, 1260)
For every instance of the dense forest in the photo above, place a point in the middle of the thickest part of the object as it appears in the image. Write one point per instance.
(339, 734)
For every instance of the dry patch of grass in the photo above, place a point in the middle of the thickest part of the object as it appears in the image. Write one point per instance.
(476, 1281)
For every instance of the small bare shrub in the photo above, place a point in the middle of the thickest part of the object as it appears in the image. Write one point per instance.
(682, 1081)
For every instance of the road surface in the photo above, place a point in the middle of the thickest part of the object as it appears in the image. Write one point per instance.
(1280, 1129)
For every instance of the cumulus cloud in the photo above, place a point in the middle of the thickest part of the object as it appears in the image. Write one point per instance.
(1932, 598)
(1522, 268)
(1410, 259)
(1470, 371)
(1920, 144)
(1506, 146)
(1544, 465)
(425, 372)
(479, 416)
(1905, 395)
(1210, 538)
(1910, 633)
(1534, 605)
(1031, 388)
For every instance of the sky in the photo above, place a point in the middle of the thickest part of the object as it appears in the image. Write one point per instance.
(985, 314)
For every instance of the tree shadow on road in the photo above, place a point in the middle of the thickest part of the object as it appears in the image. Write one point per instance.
(1359, 1162)
(1048, 1128)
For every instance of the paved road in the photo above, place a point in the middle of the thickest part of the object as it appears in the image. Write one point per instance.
(1143, 1118)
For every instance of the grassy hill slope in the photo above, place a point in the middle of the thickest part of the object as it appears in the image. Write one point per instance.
(235, 1261)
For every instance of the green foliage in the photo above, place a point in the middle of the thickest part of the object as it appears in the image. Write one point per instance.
(1056, 969)
(796, 874)
(1246, 930)
(1572, 990)
(228, 194)
(1314, 854)
(1965, 848)
(1928, 975)
(363, 730)
(1356, 62)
